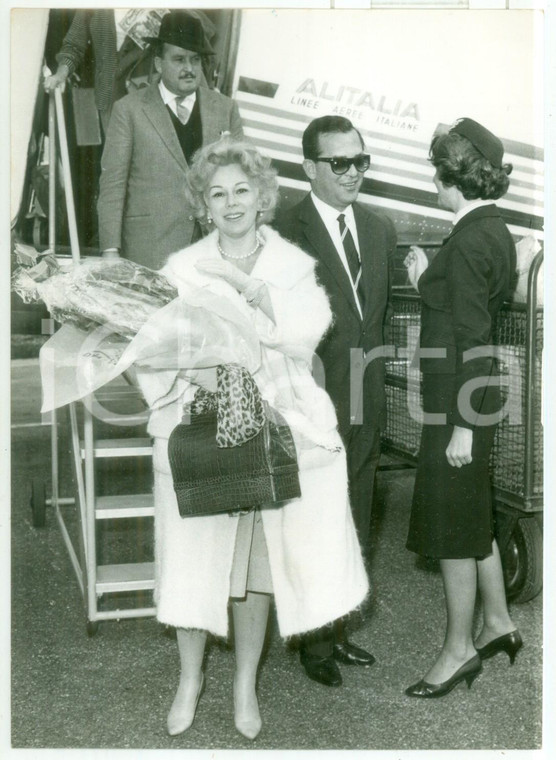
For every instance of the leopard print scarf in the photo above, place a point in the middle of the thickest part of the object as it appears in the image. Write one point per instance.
(237, 403)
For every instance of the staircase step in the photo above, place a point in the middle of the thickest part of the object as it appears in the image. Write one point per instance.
(119, 447)
(128, 505)
(137, 576)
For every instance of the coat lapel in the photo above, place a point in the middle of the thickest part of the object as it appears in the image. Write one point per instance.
(365, 240)
(320, 242)
(158, 115)
(208, 109)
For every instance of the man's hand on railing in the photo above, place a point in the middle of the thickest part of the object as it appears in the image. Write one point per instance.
(57, 80)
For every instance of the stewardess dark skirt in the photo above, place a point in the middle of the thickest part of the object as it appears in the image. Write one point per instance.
(451, 513)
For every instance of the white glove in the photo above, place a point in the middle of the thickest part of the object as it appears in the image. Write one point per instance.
(226, 271)
(415, 262)
(205, 377)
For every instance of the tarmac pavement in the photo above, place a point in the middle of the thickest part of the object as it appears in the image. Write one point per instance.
(113, 690)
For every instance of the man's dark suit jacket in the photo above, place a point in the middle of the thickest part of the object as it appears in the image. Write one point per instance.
(377, 240)
(461, 293)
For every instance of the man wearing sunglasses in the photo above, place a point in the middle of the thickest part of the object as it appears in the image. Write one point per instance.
(354, 249)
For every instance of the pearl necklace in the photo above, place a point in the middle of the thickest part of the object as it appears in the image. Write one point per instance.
(243, 255)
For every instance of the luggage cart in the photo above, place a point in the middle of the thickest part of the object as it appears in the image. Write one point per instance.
(517, 455)
(86, 449)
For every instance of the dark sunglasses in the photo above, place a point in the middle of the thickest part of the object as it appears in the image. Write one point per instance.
(341, 164)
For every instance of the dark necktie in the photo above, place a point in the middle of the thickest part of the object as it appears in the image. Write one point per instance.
(353, 260)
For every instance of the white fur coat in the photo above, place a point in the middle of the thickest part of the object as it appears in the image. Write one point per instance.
(315, 560)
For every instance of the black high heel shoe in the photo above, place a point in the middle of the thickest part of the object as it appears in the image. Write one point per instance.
(510, 643)
(468, 672)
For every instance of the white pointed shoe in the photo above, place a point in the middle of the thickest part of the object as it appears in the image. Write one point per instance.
(179, 720)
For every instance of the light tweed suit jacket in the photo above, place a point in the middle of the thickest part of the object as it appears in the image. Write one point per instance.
(98, 27)
(143, 208)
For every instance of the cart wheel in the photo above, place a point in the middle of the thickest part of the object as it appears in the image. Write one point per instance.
(92, 627)
(38, 503)
(522, 561)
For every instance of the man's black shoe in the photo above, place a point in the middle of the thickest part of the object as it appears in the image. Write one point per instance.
(350, 654)
(321, 669)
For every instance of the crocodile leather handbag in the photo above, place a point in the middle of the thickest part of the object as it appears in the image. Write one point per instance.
(210, 479)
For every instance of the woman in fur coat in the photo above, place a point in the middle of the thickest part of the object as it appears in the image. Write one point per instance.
(306, 552)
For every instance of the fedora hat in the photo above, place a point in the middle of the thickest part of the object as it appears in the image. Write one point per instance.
(183, 30)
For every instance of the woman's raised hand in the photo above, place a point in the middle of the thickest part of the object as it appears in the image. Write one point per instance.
(415, 262)
(226, 271)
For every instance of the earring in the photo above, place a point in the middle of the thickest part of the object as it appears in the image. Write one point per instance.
(209, 217)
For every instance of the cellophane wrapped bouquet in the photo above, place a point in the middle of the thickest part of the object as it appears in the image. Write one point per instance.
(144, 323)
(114, 292)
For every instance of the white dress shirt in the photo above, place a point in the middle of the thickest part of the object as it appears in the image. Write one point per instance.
(329, 216)
(169, 99)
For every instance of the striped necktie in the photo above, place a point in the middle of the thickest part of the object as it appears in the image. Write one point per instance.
(354, 263)
(182, 111)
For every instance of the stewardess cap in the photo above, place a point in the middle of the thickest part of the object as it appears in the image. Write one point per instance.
(484, 141)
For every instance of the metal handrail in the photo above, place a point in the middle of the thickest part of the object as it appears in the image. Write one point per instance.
(64, 156)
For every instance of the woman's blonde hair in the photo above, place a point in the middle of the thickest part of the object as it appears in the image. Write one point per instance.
(225, 152)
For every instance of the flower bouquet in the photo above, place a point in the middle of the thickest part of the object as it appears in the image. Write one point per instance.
(116, 314)
(115, 292)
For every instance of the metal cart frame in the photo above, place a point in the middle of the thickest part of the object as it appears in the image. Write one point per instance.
(516, 462)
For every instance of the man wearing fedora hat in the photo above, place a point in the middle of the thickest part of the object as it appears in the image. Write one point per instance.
(143, 209)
